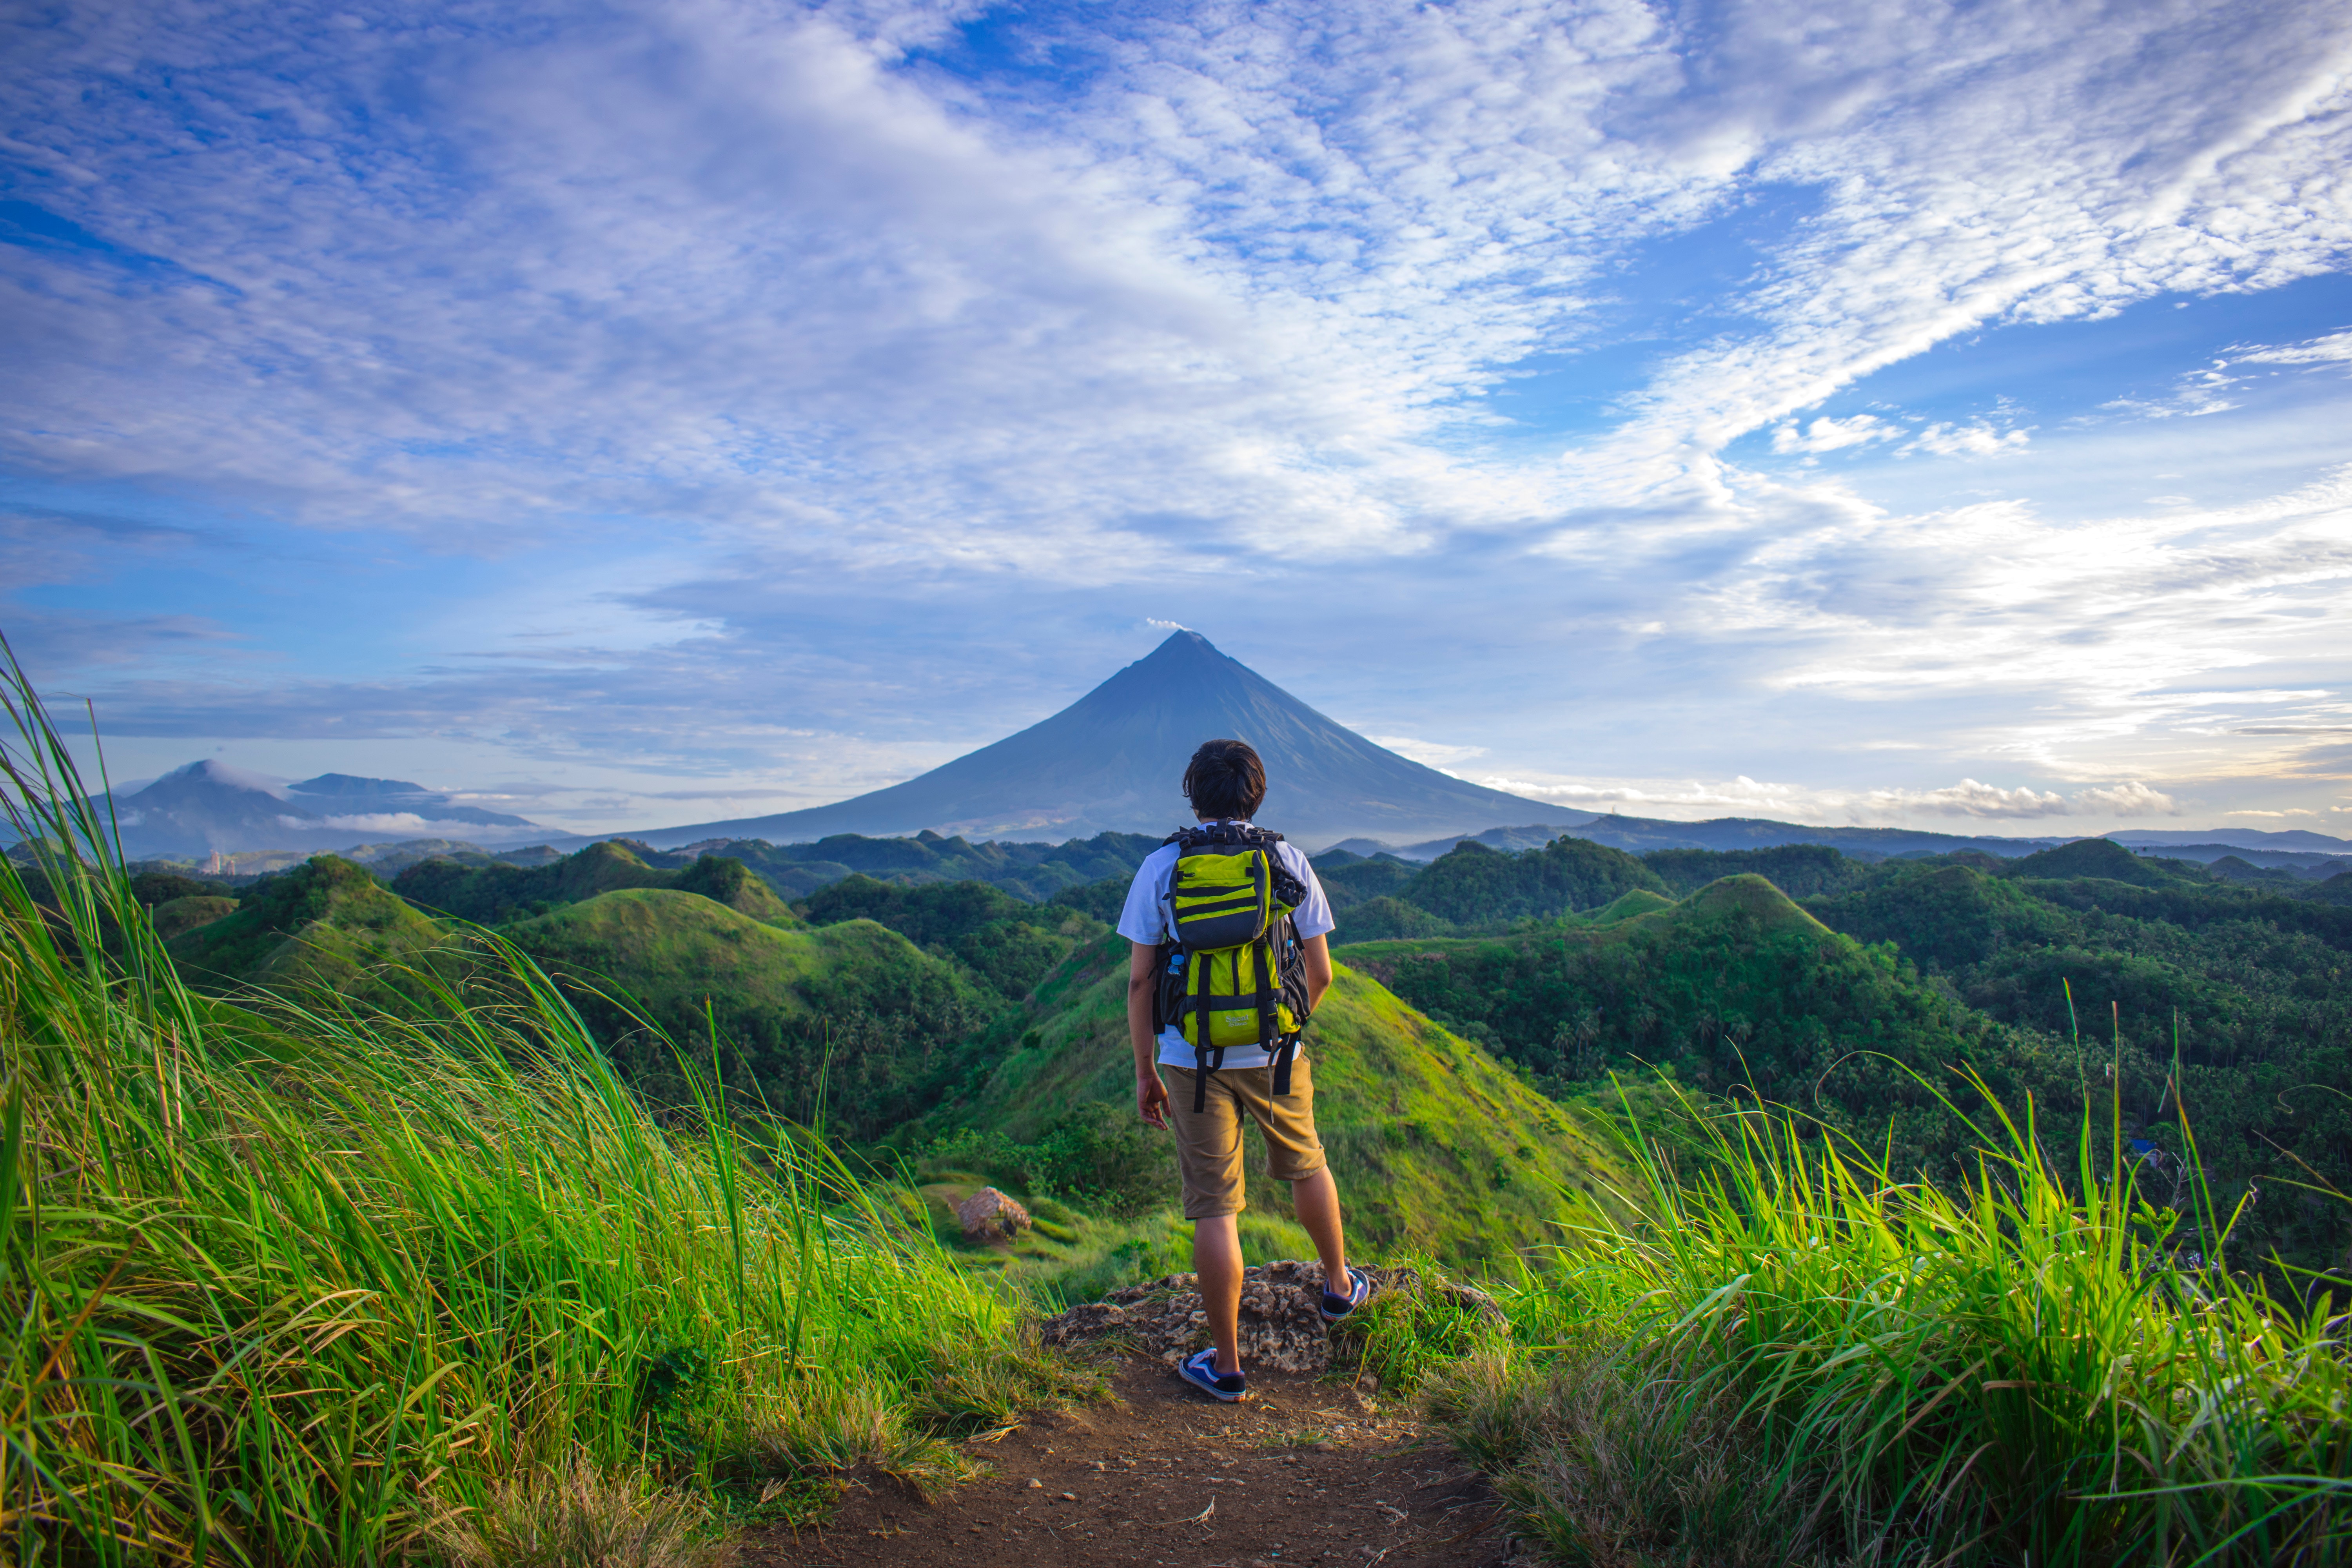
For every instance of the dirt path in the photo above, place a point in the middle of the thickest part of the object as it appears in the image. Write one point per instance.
(1302, 1472)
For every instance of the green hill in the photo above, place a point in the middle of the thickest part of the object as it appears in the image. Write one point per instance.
(1009, 944)
(853, 1015)
(1736, 990)
(1351, 879)
(2235, 1002)
(175, 916)
(1625, 906)
(2040, 975)
(491, 894)
(1033, 872)
(1437, 1146)
(1472, 889)
(1800, 870)
(326, 924)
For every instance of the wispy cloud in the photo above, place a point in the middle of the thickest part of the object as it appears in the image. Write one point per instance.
(1968, 798)
(753, 329)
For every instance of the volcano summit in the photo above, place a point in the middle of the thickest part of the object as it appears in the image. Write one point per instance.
(1111, 761)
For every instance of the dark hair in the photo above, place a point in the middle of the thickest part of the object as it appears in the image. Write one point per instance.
(1226, 779)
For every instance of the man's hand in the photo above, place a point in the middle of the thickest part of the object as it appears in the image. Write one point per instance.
(1142, 977)
(1152, 1100)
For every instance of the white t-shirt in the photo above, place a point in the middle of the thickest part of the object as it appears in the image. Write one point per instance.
(1149, 918)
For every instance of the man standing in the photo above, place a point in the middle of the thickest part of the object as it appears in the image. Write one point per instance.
(1227, 783)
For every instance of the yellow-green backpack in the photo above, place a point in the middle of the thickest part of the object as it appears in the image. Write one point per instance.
(1235, 975)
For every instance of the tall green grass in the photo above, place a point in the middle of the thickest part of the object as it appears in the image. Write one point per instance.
(1797, 1357)
(300, 1283)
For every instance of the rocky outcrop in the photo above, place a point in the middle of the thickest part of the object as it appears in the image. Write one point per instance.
(990, 1215)
(1282, 1326)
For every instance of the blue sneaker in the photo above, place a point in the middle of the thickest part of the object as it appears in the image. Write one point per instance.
(1200, 1370)
(1336, 1306)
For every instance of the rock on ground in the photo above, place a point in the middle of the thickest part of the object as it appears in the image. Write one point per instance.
(990, 1215)
(1281, 1318)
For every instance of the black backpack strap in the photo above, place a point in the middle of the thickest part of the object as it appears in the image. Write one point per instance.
(1282, 1054)
(1269, 994)
(1201, 1068)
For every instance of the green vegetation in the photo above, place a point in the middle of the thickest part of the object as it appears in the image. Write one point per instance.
(1475, 886)
(2032, 973)
(321, 1285)
(155, 888)
(1103, 899)
(494, 893)
(175, 916)
(1800, 870)
(325, 927)
(1351, 879)
(2232, 1002)
(1473, 889)
(1030, 871)
(1008, 943)
(1798, 1356)
(1734, 988)
(851, 1025)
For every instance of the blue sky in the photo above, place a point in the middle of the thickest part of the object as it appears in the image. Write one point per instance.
(1895, 413)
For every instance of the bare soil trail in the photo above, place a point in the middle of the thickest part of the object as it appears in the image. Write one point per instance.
(1304, 1471)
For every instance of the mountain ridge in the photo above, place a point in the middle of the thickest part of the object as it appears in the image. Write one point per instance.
(1112, 761)
(209, 805)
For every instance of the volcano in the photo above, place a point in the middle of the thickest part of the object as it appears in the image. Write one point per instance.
(1113, 759)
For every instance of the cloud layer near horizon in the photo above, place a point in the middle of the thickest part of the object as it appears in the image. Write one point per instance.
(746, 362)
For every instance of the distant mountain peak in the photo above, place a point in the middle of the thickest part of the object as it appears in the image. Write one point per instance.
(209, 804)
(351, 785)
(213, 771)
(1114, 761)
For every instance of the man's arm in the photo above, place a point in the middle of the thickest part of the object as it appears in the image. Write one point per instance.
(1318, 953)
(1143, 979)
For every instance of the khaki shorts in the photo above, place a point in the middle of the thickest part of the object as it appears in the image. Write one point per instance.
(1209, 1145)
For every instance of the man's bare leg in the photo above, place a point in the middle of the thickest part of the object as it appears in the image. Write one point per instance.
(1217, 1259)
(1316, 1199)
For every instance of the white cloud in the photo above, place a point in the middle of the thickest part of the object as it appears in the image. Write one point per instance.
(837, 326)
(1746, 797)
(1968, 798)
(1827, 435)
(788, 283)
(1977, 440)
(2078, 644)
(1429, 753)
(2334, 349)
(2133, 799)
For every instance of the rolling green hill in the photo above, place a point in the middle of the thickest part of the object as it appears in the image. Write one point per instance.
(853, 1015)
(491, 894)
(2040, 975)
(326, 924)
(1009, 944)
(175, 916)
(1438, 1147)
(2235, 1002)
(1473, 889)
(1734, 989)
(1034, 872)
